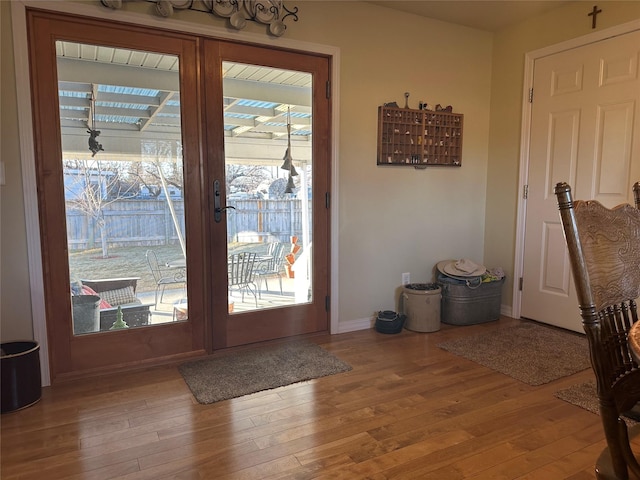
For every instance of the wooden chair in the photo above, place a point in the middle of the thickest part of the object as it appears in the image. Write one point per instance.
(604, 252)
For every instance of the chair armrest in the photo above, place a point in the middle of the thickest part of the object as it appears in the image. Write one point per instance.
(105, 284)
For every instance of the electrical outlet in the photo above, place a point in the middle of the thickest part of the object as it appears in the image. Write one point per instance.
(406, 278)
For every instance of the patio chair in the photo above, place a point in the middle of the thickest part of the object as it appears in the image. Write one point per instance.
(119, 292)
(604, 252)
(164, 276)
(241, 272)
(271, 266)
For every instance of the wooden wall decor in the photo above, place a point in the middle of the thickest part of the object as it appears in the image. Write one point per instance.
(419, 138)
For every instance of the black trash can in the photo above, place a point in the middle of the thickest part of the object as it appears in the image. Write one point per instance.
(20, 384)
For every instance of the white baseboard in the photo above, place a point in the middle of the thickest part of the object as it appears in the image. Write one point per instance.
(506, 310)
(369, 322)
(356, 324)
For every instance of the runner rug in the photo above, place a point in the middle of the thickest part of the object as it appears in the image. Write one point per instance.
(220, 378)
(584, 395)
(530, 352)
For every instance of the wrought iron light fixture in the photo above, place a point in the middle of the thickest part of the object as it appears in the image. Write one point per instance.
(267, 12)
(288, 159)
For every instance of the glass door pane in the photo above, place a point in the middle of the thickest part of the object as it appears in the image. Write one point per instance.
(122, 167)
(268, 174)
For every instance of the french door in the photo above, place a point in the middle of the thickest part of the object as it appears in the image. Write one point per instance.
(270, 232)
(138, 156)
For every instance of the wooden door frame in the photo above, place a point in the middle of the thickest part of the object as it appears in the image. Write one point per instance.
(525, 138)
(301, 318)
(27, 153)
(72, 354)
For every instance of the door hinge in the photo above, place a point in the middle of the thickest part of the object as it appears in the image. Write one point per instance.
(525, 191)
(327, 303)
(531, 95)
(521, 281)
(327, 200)
(328, 86)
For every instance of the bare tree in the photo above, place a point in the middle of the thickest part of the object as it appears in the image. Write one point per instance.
(159, 158)
(277, 188)
(91, 185)
(146, 174)
(246, 178)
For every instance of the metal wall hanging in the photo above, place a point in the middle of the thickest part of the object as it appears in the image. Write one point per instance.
(288, 159)
(267, 12)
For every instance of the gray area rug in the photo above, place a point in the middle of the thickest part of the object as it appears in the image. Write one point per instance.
(532, 353)
(221, 378)
(584, 395)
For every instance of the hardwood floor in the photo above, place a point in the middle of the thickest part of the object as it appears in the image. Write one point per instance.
(407, 410)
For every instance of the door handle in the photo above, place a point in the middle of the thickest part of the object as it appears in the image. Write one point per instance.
(217, 208)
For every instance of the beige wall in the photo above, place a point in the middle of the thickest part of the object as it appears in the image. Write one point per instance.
(15, 299)
(511, 45)
(398, 219)
(391, 219)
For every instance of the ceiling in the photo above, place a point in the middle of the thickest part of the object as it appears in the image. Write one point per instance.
(133, 95)
(484, 15)
(137, 93)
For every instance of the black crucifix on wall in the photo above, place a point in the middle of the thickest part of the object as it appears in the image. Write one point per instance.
(594, 13)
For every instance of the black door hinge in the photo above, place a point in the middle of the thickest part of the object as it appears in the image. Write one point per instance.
(327, 303)
(327, 200)
(520, 283)
(328, 87)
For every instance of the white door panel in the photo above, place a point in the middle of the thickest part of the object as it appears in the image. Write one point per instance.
(613, 152)
(584, 131)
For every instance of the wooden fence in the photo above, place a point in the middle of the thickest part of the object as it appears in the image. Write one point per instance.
(149, 222)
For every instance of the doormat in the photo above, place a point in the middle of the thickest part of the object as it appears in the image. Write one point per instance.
(529, 352)
(221, 378)
(584, 395)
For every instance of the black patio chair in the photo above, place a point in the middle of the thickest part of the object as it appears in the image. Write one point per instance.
(241, 272)
(271, 266)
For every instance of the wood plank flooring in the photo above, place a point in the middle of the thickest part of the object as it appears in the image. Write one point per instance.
(407, 410)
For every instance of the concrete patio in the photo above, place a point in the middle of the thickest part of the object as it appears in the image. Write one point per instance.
(267, 298)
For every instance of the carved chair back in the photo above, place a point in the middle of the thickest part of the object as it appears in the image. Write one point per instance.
(604, 252)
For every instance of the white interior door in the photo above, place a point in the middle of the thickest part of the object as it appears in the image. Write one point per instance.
(584, 131)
